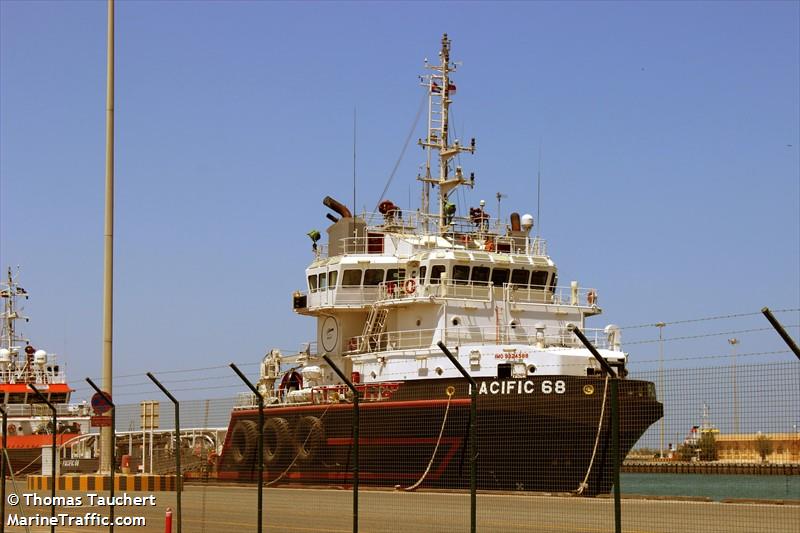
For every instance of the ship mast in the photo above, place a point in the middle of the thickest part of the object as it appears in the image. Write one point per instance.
(8, 336)
(440, 90)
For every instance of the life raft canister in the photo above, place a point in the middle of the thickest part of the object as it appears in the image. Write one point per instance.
(410, 286)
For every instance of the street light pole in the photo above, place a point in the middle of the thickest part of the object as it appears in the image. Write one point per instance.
(660, 326)
(733, 342)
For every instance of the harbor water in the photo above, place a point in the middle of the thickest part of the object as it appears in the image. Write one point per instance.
(715, 486)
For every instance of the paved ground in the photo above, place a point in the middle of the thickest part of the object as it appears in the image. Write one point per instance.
(215, 509)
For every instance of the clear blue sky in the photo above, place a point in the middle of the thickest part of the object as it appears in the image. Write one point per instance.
(670, 135)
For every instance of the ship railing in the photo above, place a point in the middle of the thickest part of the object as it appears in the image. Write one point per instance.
(407, 289)
(21, 410)
(373, 244)
(423, 224)
(548, 337)
(35, 376)
(323, 394)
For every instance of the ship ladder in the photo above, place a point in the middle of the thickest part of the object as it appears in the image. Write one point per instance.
(584, 485)
(373, 329)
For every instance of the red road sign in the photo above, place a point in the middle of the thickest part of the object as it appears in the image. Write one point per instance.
(100, 421)
(100, 404)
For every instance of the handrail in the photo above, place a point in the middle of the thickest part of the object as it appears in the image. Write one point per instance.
(551, 337)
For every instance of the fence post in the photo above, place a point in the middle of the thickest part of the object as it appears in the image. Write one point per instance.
(178, 472)
(52, 452)
(107, 398)
(473, 436)
(260, 441)
(356, 422)
(3, 470)
(613, 378)
(782, 332)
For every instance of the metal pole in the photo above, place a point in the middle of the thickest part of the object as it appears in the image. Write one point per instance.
(660, 326)
(178, 471)
(614, 423)
(113, 448)
(473, 435)
(356, 420)
(260, 441)
(106, 438)
(52, 453)
(782, 332)
(3, 470)
(733, 342)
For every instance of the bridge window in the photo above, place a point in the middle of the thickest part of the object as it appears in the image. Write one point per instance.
(312, 283)
(351, 278)
(323, 281)
(333, 277)
(480, 274)
(373, 276)
(436, 273)
(520, 276)
(395, 274)
(500, 276)
(460, 273)
(539, 279)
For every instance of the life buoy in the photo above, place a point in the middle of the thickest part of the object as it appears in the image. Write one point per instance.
(309, 438)
(591, 297)
(489, 245)
(410, 286)
(12, 429)
(244, 439)
(277, 441)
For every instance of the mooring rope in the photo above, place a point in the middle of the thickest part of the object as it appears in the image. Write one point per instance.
(584, 485)
(450, 391)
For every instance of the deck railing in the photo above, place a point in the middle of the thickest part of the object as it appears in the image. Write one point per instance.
(479, 335)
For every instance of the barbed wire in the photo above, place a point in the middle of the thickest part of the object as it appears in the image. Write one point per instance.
(717, 334)
(703, 319)
(706, 356)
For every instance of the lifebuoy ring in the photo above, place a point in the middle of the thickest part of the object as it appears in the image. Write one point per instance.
(12, 429)
(309, 438)
(277, 441)
(410, 286)
(244, 439)
(489, 246)
(591, 297)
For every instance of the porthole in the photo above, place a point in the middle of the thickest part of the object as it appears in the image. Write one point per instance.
(531, 369)
(456, 321)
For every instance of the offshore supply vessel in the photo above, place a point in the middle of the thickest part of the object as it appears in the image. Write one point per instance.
(385, 289)
(29, 422)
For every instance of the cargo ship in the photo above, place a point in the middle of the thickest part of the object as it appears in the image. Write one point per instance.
(385, 289)
(30, 425)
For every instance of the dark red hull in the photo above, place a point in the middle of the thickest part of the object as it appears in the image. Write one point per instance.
(533, 434)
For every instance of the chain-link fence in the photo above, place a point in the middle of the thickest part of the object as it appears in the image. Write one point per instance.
(710, 447)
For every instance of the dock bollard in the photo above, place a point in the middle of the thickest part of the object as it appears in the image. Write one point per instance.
(168, 521)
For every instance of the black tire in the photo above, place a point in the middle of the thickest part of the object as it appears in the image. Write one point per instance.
(277, 441)
(309, 439)
(244, 440)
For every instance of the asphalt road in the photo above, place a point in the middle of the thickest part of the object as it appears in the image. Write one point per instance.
(222, 509)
